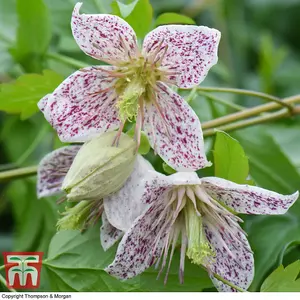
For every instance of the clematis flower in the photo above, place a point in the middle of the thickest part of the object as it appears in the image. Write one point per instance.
(184, 208)
(52, 171)
(135, 86)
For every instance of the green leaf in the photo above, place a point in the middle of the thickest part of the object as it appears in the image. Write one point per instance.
(144, 144)
(269, 165)
(138, 14)
(270, 59)
(76, 261)
(22, 95)
(173, 18)
(230, 160)
(33, 34)
(34, 219)
(271, 169)
(283, 279)
(144, 147)
(168, 170)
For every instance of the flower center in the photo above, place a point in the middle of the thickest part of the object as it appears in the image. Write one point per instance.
(189, 212)
(135, 85)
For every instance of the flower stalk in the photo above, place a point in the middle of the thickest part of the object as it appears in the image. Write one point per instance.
(18, 173)
(264, 96)
(253, 121)
(249, 112)
(228, 283)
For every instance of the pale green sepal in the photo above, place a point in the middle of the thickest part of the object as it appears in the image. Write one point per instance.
(100, 169)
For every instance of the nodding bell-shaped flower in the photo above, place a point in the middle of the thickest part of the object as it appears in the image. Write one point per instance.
(135, 86)
(183, 208)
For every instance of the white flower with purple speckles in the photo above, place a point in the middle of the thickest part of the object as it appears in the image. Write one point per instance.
(101, 98)
(51, 173)
(184, 208)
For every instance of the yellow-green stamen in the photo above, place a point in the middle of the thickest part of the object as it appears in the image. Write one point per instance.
(199, 249)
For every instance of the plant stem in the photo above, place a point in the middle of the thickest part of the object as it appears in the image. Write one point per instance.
(248, 113)
(192, 95)
(67, 60)
(245, 92)
(221, 101)
(2, 267)
(3, 281)
(18, 173)
(228, 282)
(245, 123)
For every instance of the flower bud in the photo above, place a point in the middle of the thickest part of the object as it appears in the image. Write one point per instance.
(99, 168)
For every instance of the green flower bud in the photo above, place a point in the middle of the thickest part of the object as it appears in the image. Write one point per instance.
(99, 168)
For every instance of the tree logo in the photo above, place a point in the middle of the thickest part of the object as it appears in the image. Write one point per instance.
(23, 269)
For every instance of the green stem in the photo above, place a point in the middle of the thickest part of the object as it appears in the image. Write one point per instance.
(228, 283)
(18, 173)
(248, 113)
(191, 95)
(221, 101)
(67, 60)
(245, 92)
(3, 281)
(253, 121)
(2, 267)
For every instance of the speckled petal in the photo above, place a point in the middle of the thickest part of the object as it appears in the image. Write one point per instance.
(174, 131)
(52, 170)
(124, 206)
(248, 199)
(109, 234)
(191, 51)
(83, 106)
(43, 102)
(236, 266)
(104, 37)
(137, 250)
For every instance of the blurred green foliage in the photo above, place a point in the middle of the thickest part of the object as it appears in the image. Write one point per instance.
(259, 50)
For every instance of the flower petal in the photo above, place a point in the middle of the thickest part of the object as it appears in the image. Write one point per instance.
(109, 234)
(235, 265)
(174, 131)
(53, 169)
(43, 103)
(83, 105)
(138, 248)
(104, 37)
(143, 242)
(124, 206)
(190, 51)
(248, 199)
